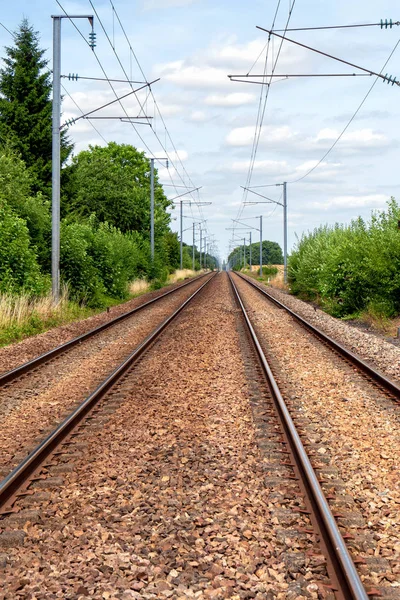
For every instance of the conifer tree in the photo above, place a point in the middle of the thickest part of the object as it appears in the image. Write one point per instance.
(25, 106)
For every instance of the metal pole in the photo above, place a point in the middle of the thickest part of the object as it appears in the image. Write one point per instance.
(261, 252)
(204, 251)
(181, 235)
(193, 244)
(284, 232)
(244, 253)
(56, 166)
(200, 245)
(152, 208)
(250, 251)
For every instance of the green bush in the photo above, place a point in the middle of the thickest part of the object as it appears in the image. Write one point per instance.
(348, 268)
(19, 268)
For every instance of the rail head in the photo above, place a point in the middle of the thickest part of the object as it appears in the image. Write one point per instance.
(355, 589)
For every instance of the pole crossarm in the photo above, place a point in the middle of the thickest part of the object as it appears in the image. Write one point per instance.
(269, 200)
(186, 193)
(247, 226)
(86, 115)
(384, 77)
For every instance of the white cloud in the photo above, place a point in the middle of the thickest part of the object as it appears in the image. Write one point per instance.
(235, 99)
(244, 136)
(268, 167)
(198, 116)
(355, 139)
(350, 202)
(194, 76)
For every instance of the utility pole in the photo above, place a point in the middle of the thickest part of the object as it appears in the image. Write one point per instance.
(152, 209)
(194, 240)
(181, 245)
(56, 162)
(250, 251)
(284, 233)
(244, 253)
(261, 252)
(55, 153)
(200, 244)
(204, 250)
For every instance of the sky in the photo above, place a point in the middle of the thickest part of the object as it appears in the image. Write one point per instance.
(192, 46)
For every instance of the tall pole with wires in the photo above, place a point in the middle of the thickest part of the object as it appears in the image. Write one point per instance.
(181, 244)
(250, 251)
(200, 245)
(55, 152)
(261, 252)
(284, 232)
(152, 209)
(56, 163)
(194, 239)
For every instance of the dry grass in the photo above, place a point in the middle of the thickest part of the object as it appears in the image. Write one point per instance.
(275, 281)
(181, 274)
(139, 286)
(18, 310)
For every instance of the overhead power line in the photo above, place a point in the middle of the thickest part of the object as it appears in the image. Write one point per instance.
(350, 121)
(383, 24)
(391, 80)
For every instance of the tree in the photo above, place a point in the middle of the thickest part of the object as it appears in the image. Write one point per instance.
(114, 184)
(25, 107)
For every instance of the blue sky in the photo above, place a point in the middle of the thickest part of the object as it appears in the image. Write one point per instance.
(192, 45)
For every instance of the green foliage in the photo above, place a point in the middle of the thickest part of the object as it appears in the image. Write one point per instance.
(351, 268)
(269, 271)
(19, 268)
(25, 106)
(271, 254)
(15, 189)
(114, 184)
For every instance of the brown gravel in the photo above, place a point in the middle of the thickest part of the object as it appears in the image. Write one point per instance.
(372, 348)
(351, 427)
(169, 499)
(16, 354)
(36, 402)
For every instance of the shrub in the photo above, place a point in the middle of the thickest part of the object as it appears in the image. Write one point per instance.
(350, 268)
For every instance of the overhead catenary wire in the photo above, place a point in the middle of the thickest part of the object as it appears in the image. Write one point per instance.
(156, 106)
(349, 122)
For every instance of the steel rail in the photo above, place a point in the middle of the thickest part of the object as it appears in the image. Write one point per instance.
(340, 556)
(46, 356)
(24, 471)
(383, 380)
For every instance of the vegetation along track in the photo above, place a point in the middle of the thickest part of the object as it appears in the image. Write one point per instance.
(349, 425)
(37, 395)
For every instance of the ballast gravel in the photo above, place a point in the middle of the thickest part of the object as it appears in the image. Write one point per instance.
(353, 423)
(168, 498)
(372, 348)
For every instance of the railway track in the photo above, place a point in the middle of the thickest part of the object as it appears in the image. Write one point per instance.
(372, 374)
(346, 582)
(365, 531)
(192, 474)
(31, 365)
(50, 386)
(16, 484)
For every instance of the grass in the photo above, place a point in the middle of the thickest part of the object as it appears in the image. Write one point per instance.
(272, 274)
(21, 316)
(181, 274)
(138, 287)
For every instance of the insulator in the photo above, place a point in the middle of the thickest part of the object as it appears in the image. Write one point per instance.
(92, 40)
